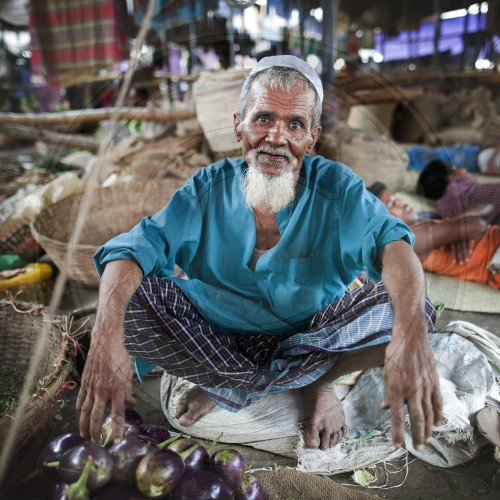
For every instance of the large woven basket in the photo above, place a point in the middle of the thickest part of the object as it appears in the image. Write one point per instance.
(21, 326)
(113, 210)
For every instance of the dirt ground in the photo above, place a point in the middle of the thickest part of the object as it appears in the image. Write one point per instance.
(478, 478)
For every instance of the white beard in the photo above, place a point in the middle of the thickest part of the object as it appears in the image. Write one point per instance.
(268, 191)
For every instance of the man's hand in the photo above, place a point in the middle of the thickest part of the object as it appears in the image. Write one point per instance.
(106, 380)
(107, 376)
(471, 228)
(411, 377)
(460, 252)
(409, 369)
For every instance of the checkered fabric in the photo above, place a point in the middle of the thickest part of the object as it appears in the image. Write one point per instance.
(163, 327)
(70, 40)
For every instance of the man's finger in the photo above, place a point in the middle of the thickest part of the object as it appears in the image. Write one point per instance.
(96, 420)
(465, 251)
(437, 405)
(428, 414)
(85, 411)
(394, 401)
(80, 400)
(417, 419)
(397, 423)
(130, 396)
(454, 253)
(118, 414)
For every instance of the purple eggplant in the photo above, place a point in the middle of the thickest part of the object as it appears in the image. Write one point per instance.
(203, 485)
(77, 490)
(118, 492)
(126, 456)
(230, 465)
(249, 489)
(195, 456)
(131, 425)
(73, 462)
(60, 491)
(159, 473)
(51, 453)
(157, 432)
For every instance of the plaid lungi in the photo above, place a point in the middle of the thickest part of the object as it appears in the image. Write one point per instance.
(163, 327)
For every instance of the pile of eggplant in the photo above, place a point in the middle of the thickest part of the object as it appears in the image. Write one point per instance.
(148, 462)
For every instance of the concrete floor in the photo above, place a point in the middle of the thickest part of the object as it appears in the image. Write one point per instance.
(479, 478)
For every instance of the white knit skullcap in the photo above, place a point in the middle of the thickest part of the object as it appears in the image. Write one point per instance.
(295, 63)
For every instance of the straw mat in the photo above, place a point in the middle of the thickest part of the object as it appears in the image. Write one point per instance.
(462, 295)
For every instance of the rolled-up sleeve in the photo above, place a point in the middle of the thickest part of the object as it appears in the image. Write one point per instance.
(380, 232)
(366, 220)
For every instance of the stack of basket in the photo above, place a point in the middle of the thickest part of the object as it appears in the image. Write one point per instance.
(21, 327)
(112, 210)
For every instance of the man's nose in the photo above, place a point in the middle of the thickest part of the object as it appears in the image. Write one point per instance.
(276, 134)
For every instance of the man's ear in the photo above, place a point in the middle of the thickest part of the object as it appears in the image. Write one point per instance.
(237, 126)
(315, 133)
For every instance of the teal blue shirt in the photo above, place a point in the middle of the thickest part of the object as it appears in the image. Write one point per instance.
(332, 231)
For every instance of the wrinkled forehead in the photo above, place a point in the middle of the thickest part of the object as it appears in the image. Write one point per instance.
(260, 82)
(269, 90)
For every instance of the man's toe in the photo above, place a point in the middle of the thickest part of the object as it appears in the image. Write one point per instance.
(311, 439)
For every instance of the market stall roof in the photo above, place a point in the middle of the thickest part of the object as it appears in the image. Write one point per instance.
(172, 13)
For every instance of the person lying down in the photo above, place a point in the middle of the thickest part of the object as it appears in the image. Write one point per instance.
(464, 246)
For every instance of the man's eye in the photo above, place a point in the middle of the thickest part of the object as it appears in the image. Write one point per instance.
(296, 125)
(262, 119)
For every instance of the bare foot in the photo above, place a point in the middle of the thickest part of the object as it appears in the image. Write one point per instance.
(192, 405)
(325, 423)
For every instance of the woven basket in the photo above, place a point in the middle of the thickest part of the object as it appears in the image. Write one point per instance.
(19, 333)
(114, 210)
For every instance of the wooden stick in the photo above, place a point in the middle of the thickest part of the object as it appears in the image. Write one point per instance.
(384, 95)
(366, 81)
(95, 115)
(37, 134)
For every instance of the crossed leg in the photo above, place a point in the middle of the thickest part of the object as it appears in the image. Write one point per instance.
(324, 421)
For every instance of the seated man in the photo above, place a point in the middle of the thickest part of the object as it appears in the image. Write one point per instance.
(455, 189)
(270, 243)
(461, 247)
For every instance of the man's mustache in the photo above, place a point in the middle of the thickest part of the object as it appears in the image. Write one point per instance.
(275, 152)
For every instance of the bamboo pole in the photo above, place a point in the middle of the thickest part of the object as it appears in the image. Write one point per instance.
(38, 134)
(95, 115)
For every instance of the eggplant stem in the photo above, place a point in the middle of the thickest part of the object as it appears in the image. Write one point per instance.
(214, 443)
(75, 489)
(51, 464)
(164, 444)
(184, 454)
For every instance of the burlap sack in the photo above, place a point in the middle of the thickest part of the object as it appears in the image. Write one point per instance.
(291, 483)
